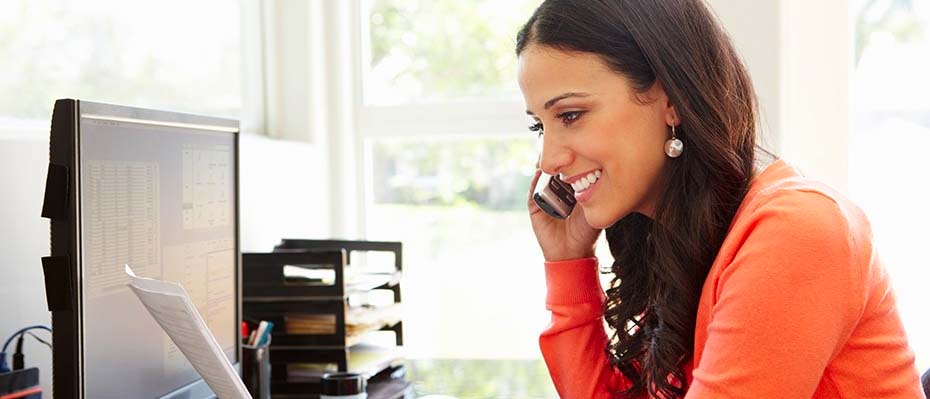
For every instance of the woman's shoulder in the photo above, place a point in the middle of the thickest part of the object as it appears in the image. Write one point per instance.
(794, 232)
(795, 217)
(783, 197)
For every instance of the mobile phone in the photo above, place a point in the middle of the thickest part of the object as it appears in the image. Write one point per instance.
(554, 196)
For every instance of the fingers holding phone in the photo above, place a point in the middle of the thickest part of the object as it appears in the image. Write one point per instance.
(561, 229)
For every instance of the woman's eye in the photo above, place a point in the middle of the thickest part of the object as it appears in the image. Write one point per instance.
(569, 117)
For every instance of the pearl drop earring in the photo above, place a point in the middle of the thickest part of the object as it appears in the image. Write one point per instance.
(674, 147)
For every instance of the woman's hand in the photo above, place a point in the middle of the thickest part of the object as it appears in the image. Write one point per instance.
(561, 239)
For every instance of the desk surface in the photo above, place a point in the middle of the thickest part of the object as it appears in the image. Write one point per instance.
(480, 378)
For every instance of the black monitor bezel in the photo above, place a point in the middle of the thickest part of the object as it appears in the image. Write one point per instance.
(64, 154)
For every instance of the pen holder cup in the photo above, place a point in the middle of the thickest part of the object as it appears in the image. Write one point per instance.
(256, 370)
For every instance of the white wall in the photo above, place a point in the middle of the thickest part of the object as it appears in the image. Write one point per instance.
(798, 53)
(755, 28)
(24, 239)
(279, 193)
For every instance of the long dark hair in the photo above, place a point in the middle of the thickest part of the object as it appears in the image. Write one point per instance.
(660, 264)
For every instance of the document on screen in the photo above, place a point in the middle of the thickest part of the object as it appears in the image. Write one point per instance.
(171, 307)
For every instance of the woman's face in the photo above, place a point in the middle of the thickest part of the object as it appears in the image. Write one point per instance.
(600, 135)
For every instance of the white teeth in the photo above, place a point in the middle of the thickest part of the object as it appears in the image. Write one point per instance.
(586, 181)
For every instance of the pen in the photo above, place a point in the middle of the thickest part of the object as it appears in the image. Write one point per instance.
(262, 325)
(266, 333)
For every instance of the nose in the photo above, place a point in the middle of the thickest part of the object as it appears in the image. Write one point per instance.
(554, 155)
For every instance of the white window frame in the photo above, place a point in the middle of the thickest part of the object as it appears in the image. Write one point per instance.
(353, 123)
(816, 86)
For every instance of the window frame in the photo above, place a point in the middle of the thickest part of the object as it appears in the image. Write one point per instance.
(473, 118)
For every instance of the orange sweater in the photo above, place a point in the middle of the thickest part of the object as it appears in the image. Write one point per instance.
(796, 305)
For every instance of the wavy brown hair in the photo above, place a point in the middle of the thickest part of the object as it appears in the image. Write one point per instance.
(660, 263)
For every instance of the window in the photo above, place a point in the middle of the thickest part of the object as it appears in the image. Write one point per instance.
(453, 190)
(169, 54)
(890, 129)
(416, 53)
(472, 268)
(447, 161)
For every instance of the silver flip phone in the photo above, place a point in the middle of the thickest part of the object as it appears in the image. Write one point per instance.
(554, 196)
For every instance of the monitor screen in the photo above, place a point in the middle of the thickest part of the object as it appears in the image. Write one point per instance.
(156, 191)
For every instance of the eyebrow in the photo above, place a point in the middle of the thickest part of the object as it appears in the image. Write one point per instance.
(558, 98)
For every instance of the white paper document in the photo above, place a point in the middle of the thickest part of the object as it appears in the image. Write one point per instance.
(171, 307)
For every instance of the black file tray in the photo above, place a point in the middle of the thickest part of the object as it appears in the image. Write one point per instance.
(267, 295)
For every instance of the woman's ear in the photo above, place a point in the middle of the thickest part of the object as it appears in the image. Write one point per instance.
(671, 115)
(668, 109)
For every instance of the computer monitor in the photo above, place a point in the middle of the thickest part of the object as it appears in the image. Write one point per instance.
(158, 191)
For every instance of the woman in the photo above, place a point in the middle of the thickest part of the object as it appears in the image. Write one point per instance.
(734, 277)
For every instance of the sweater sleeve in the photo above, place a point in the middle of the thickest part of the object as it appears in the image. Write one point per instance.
(785, 303)
(574, 343)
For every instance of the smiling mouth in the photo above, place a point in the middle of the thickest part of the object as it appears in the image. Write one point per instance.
(585, 182)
